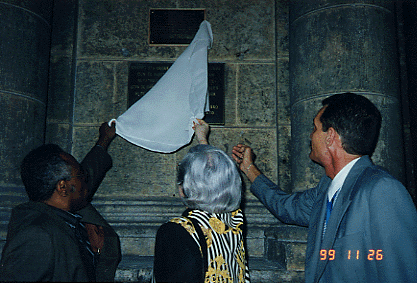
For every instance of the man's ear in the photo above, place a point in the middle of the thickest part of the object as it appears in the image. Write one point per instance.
(333, 138)
(62, 188)
(330, 136)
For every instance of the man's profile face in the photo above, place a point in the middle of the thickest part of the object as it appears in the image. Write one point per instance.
(318, 140)
(78, 190)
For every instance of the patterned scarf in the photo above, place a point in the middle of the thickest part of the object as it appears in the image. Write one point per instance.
(226, 252)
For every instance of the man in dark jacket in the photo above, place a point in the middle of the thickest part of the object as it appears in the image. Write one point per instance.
(58, 235)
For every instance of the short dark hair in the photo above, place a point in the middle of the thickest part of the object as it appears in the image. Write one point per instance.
(42, 169)
(210, 180)
(356, 119)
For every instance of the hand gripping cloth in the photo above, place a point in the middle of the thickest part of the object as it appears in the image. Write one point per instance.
(162, 119)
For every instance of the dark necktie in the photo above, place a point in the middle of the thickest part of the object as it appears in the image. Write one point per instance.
(329, 210)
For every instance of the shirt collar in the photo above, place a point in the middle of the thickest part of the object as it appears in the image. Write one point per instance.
(340, 178)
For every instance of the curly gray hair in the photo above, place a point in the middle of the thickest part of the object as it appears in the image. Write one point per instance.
(210, 180)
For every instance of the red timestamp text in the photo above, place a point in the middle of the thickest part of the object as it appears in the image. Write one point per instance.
(352, 255)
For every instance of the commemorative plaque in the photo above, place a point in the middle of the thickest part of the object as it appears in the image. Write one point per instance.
(174, 26)
(143, 76)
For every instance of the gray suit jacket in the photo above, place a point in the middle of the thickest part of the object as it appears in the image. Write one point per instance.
(371, 235)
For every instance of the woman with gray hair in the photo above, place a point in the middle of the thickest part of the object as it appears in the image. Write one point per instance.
(205, 244)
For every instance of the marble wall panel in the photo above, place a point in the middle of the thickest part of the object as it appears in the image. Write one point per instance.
(296, 256)
(138, 246)
(139, 172)
(230, 86)
(243, 30)
(255, 247)
(98, 91)
(262, 141)
(136, 171)
(285, 233)
(256, 97)
(249, 36)
(119, 29)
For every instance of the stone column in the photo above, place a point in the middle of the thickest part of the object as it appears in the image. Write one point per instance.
(341, 46)
(24, 57)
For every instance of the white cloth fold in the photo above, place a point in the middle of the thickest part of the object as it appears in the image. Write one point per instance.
(162, 119)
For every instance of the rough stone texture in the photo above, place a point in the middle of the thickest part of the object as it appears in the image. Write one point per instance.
(97, 97)
(283, 125)
(339, 47)
(308, 172)
(22, 129)
(42, 8)
(62, 74)
(60, 134)
(24, 45)
(295, 256)
(93, 42)
(256, 96)
(139, 193)
(350, 54)
(243, 30)
(308, 6)
(88, 86)
(262, 140)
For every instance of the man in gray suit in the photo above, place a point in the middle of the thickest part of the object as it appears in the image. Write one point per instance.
(362, 223)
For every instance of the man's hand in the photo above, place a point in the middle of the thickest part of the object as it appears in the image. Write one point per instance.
(202, 130)
(244, 156)
(95, 236)
(107, 134)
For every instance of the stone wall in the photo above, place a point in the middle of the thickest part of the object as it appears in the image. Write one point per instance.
(92, 44)
(139, 193)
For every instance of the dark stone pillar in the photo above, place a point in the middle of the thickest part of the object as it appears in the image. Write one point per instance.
(341, 46)
(24, 57)
(409, 10)
(59, 120)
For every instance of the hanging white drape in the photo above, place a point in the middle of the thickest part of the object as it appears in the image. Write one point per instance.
(162, 119)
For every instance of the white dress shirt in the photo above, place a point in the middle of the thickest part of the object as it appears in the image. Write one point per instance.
(339, 179)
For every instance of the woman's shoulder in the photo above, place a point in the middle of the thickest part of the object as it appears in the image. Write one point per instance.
(177, 226)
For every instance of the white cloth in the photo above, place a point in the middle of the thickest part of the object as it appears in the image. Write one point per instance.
(162, 119)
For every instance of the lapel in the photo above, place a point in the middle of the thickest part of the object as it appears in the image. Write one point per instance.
(340, 207)
(315, 230)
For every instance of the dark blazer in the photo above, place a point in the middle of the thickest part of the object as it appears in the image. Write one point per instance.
(177, 256)
(97, 162)
(371, 235)
(41, 246)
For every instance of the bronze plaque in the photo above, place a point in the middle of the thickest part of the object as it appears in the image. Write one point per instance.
(174, 26)
(143, 76)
